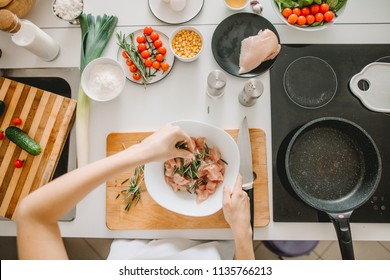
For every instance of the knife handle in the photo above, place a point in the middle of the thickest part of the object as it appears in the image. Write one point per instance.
(251, 206)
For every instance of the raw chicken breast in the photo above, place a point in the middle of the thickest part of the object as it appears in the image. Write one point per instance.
(257, 49)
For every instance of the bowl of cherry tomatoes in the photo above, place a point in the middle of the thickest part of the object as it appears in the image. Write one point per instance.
(309, 15)
(145, 55)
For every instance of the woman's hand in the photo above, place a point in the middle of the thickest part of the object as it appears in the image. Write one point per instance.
(161, 145)
(236, 209)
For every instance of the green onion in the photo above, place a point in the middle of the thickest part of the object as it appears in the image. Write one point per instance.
(95, 34)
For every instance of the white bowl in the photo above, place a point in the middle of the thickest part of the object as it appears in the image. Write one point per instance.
(308, 28)
(183, 202)
(103, 79)
(236, 8)
(172, 39)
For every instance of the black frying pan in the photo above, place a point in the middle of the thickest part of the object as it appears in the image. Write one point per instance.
(334, 166)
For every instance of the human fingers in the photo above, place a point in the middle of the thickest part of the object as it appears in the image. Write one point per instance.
(226, 194)
(238, 186)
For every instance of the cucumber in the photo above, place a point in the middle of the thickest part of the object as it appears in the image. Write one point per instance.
(22, 140)
(2, 107)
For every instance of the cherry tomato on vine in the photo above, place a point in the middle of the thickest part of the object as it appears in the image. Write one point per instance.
(310, 19)
(324, 8)
(141, 39)
(164, 66)
(125, 54)
(1, 134)
(136, 76)
(17, 121)
(148, 62)
(157, 44)
(129, 62)
(141, 47)
(148, 30)
(133, 68)
(160, 57)
(145, 54)
(154, 36)
(319, 17)
(162, 50)
(18, 163)
(286, 12)
(314, 9)
(292, 19)
(156, 65)
(328, 16)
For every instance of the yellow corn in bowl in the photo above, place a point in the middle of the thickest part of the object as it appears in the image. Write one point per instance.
(186, 43)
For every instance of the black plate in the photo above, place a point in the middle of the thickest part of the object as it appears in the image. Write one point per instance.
(227, 37)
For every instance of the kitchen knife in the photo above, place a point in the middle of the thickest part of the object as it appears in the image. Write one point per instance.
(246, 170)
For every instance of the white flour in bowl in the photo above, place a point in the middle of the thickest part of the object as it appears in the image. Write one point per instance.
(68, 9)
(105, 80)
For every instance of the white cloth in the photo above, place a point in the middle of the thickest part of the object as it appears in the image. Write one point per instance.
(171, 249)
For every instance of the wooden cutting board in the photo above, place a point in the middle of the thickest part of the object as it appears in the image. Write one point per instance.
(147, 214)
(47, 118)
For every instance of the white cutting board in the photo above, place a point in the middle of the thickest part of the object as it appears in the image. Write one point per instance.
(377, 96)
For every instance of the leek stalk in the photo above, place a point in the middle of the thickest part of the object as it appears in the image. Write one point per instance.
(95, 34)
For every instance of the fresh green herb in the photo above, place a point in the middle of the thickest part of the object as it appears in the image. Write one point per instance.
(132, 51)
(132, 193)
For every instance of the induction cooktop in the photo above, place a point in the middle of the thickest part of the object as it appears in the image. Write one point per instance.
(312, 81)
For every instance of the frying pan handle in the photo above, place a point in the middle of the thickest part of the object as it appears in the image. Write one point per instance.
(343, 230)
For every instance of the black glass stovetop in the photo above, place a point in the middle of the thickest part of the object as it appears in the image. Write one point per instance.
(288, 113)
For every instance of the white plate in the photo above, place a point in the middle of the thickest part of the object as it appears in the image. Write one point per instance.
(377, 96)
(183, 202)
(169, 58)
(163, 11)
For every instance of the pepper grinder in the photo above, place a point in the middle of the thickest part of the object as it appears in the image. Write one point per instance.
(253, 89)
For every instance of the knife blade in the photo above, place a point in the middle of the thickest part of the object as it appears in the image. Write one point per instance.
(246, 169)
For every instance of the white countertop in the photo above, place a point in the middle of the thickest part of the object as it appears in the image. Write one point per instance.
(181, 95)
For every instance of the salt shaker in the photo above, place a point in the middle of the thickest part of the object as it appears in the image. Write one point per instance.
(253, 89)
(216, 83)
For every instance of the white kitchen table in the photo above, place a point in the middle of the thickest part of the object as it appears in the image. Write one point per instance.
(181, 95)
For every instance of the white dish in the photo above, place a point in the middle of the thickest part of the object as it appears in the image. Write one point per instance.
(172, 37)
(183, 202)
(165, 13)
(376, 96)
(103, 79)
(159, 75)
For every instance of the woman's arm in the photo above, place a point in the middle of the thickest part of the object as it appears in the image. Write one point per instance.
(237, 213)
(38, 234)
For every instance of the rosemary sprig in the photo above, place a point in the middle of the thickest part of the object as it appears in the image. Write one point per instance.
(135, 56)
(132, 193)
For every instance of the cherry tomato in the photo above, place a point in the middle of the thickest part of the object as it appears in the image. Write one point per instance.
(136, 76)
(314, 9)
(141, 39)
(156, 65)
(310, 19)
(164, 66)
(319, 17)
(145, 54)
(301, 20)
(159, 57)
(141, 47)
(328, 16)
(286, 12)
(17, 121)
(162, 50)
(148, 30)
(324, 8)
(1, 134)
(154, 36)
(297, 11)
(129, 62)
(18, 163)
(157, 44)
(125, 54)
(292, 19)
(305, 11)
(148, 62)
(133, 68)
